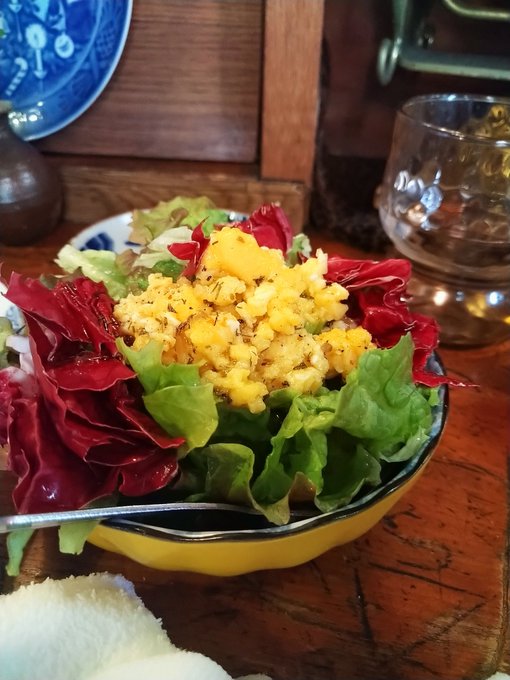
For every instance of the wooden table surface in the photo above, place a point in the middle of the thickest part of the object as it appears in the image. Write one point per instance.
(423, 595)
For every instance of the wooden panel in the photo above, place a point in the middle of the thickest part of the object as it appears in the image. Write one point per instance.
(187, 86)
(96, 188)
(292, 47)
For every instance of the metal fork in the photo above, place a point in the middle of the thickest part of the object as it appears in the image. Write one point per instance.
(51, 519)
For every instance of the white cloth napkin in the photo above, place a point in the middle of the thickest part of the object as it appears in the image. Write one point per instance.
(91, 628)
(177, 665)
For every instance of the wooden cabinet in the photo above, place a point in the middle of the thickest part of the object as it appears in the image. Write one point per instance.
(215, 97)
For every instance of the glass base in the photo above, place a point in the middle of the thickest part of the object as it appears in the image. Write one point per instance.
(468, 313)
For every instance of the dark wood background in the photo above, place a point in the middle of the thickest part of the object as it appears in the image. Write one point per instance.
(359, 111)
(234, 83)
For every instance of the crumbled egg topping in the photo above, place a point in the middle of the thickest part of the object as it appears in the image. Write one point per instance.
(252, 323)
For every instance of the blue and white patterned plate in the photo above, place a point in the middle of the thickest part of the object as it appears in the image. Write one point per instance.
(109, 234)
(113, 233)
(56, 57)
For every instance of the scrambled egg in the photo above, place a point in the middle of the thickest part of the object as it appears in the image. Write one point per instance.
(251, 323)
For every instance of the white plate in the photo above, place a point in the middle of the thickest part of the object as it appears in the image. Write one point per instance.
(113, 233)
(4, 303)
(10, 311)
(109, 234)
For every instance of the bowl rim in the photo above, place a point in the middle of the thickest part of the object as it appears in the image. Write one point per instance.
(417, 462)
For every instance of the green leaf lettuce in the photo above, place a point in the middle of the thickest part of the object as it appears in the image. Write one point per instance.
(174, 395)
(327, 447)
(186, 211)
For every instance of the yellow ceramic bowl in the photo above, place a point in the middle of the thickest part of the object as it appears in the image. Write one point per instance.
(241, 550)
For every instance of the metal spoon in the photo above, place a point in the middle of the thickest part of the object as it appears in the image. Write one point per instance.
(51, 519)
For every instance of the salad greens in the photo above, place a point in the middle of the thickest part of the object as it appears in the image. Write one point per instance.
(97, 265)
(16, 542)
(171, 222)
(302, 447)
(80, 407)
(163, 234)
(174, 395)
(148, 225)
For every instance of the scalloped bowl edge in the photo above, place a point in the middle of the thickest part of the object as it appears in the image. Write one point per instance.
(235, 557)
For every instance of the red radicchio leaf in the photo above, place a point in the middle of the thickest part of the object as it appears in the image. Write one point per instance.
(147, 475)
(90, 373)
(50, 477)
(14, 384)
(184, 251)
(270, 227)
(378, 302)
(191, 251)
(75, 427)
(79, 310)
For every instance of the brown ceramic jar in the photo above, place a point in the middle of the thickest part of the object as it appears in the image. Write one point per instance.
(30, 189)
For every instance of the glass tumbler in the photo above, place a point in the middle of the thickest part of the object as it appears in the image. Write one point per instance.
(445, 204)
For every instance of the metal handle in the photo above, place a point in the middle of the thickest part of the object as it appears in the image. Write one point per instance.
(51, 519)
(488, 14)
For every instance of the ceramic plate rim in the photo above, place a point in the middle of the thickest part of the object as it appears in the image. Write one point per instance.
(113, 224)
(107, 224)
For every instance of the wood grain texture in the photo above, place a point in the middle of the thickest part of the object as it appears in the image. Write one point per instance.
(187, 86)
(292, 48)
(423, 595)
(96, 188)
